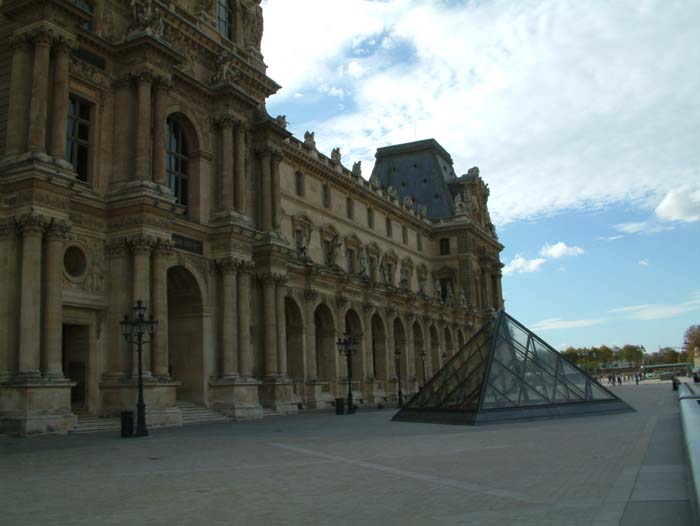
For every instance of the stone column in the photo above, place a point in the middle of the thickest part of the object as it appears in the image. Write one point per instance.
(410, 347)
(159, 301)
(160, 106)
(59, 100)
(53, 299)
(32, 227)
(38, 108)
(266, 190)
(8, 306)
(141, 248)
(276, 209)
(368, 310)
(499, 290)
(119, 304)
(245, 351)
(310, 328)
(123, 133)
(229, 317)
(390, 344)
(241, 188)
(269, 325)
(226, 142)
(280, 293)
(20, 89)
(143, 127)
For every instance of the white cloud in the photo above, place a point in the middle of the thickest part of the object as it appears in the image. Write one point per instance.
(656, 311)
(355, 69)
(642, 227)
(542, 95)
(550, 324)
(559, 250)
(520, 265)
(610, 238)
(681, 204)
(643, 263)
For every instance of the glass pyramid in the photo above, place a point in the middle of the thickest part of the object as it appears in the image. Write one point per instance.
(506, 372)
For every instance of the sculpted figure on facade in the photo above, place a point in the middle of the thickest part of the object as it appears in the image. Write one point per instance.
(450, 296)
(462, 299)
(384, 271)
(335, 250)
(252, 22)
(225, 72)
(438, 290)
(281, 121)
(422, 280)
(362, 262)
(405, 281)
(147, 19)
(357, 169)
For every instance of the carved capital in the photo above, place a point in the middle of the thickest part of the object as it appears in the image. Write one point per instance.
(58, 229)
(42, 36)
(21, 41)
(228, 264)
(225, 119)
(117, 248)
(142, 244)
(65, 44)
(30, 223)
(163, 247)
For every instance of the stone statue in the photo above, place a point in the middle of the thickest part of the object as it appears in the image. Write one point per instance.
(473, 172)
(393, 194)
(335, 155)
(362, 262)
(305, 241)
(462, 299)
(384, 271)
(422, 280)
(310, 140)
(374, 181)
(281, 121)
(438, 290)
(225, 72)
(357, 169)
(422, 210)
(407, 201)
(405, 281)
(147, 19)
(450, 296)
(335, 250)
(252, 22)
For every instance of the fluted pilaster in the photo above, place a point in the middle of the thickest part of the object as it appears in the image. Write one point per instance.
(56, 233)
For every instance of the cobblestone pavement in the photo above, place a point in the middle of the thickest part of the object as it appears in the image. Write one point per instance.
(362, 470)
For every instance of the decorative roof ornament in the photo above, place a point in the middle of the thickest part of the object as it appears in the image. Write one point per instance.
(281, 121)
(335, 155)
(357, 169)
(374, 181)
(393, 194)
(473, 171)
(310, 140)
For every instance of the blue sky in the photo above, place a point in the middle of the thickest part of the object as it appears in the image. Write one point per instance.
(582, 116)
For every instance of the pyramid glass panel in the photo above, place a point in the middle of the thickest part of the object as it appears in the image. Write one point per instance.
(506, 372)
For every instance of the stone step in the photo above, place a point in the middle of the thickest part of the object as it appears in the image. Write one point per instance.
(194, 413)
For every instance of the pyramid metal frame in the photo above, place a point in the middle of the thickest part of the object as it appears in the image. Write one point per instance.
(497, 376)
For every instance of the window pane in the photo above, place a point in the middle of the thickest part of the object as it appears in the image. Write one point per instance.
(84, 111)
(81, 165)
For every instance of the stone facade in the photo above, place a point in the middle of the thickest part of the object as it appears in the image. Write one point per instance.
(138, 162)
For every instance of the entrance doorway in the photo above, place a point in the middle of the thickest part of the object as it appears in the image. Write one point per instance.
(76, 345)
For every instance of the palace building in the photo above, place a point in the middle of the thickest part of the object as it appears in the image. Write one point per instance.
(138, 162)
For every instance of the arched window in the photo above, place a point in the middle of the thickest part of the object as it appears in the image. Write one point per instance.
(226, 19)
(177, 161)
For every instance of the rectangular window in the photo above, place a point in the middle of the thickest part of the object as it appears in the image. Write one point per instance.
(404, 235)
(326, 196)
(351, 260)
(327, 256)
(299, 183)
(298, 241)
(419, 242)
(370, 217)
(78, 136)
(445, 246)
(350, 207)
(226, 19)
(388, 226)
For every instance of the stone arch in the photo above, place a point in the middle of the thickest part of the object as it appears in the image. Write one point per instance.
(449, 348)
(326, 360)
(294, 327)
(400, 348)
(379, 352)
(353, 327)
(435, 358)
(194, 134)
(186, 333)
(420, 360)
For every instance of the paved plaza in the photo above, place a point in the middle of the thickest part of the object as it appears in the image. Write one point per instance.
(363, 470)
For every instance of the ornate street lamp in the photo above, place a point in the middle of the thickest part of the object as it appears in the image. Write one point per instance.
(423, 356)
(347, 346)
(134, 332)
(397, 355)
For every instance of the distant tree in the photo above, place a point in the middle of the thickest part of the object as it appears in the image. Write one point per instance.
(571, 354)
(692, 340)
(668, 355)
(605, 354)
(632, 353)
